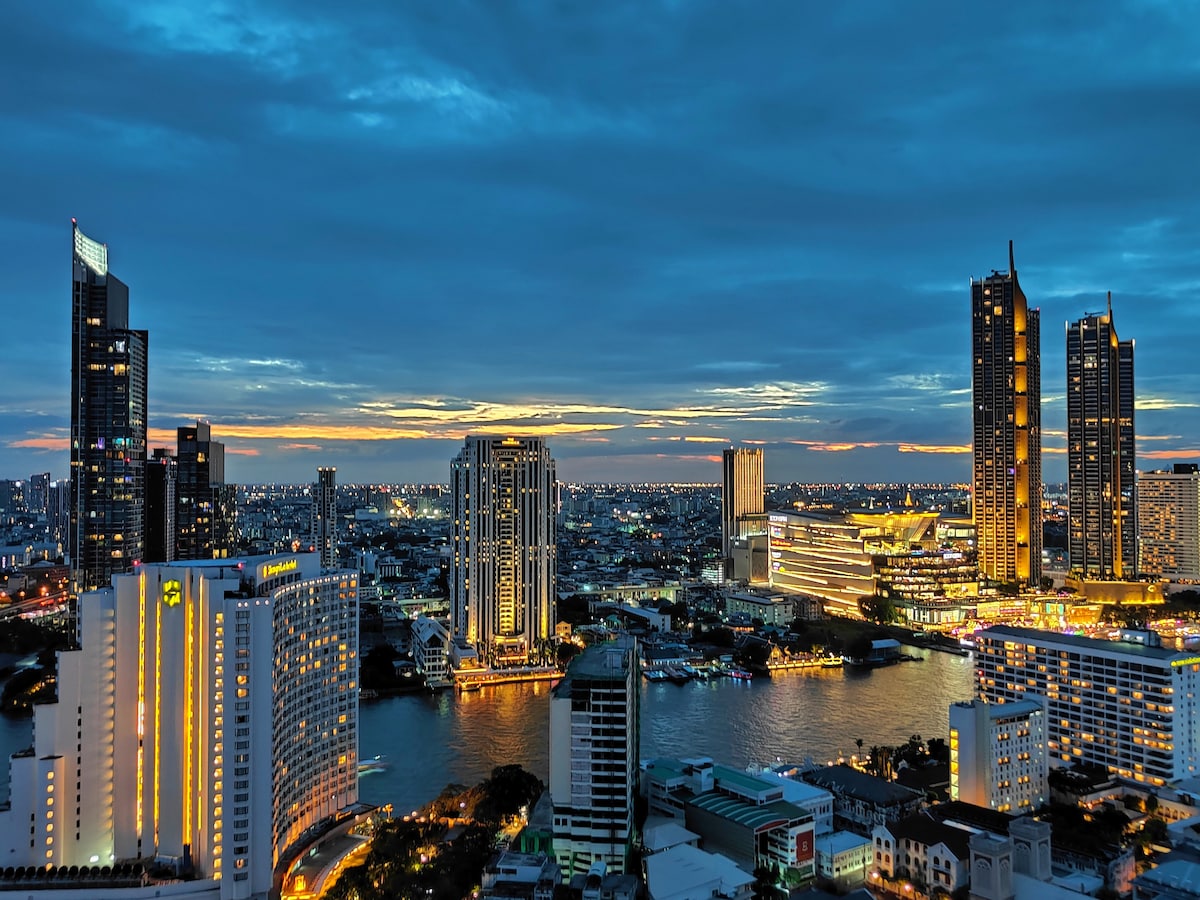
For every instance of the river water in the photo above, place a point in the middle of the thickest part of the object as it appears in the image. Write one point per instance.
(432, 740)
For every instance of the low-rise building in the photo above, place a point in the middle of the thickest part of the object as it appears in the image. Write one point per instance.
(430, 649)
(845, 858)
(769, 607)
(925, 850)
(861, 802)
(520, 876)
(686, 873)
(776, 834)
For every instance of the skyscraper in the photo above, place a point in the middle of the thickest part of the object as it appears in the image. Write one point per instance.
(162, 482)
(39, 493)
(324, 516)
(192, 724)
(595, 732)
(1007, 399)
(742, 496)
(108, 421)
(206, 505)
(1101, 528)
(505, 558)
(1168, 521)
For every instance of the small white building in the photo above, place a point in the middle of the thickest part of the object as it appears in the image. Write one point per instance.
(998, 755)
(844, 858)
(431, 648)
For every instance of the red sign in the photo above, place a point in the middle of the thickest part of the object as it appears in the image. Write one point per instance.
(804, 847)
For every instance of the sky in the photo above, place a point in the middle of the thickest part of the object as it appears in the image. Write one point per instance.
(647, 230)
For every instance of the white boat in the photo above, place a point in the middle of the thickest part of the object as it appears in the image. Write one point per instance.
(373, 765)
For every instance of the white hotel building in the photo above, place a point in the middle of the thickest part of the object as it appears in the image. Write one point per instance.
(1127, 705)
(998, 755)
(208, 719)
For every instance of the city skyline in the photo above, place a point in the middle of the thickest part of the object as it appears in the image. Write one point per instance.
(709, 231)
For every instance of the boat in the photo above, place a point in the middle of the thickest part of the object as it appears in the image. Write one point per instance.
(373, 765)
(655, 675)
(676, 675)
(735, 672)
(832, 662)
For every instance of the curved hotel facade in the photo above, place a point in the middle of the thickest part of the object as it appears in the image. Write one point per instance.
(207, 720)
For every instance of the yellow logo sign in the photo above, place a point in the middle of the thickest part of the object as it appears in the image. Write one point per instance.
(270, 570)
(172, 593)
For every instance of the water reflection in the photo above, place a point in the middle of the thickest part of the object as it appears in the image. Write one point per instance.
(818, 714)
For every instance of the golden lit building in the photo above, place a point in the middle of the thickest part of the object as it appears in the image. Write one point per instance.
(743, 496)
(505, 556)
(1007, 452)
(207, 720)
(841, 558)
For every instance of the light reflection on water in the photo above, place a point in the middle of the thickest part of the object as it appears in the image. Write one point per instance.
(434, 740)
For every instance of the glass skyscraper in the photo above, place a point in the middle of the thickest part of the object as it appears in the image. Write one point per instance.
(1101, 531)
(108, 421)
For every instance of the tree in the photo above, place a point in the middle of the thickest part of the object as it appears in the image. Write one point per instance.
(879, 610)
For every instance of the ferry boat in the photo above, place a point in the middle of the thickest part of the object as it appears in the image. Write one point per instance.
(832, 662)
(373, 765)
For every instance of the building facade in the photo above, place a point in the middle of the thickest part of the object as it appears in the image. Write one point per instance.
(1122, 705)
(998, 755)
(841, 558)
(595, 737)
(108, 421)
(162, 482)
(1101, 528)
(206, 507)
(505, 558)
(324, 516)
(743, 496)
(1168, 521)
(1007, 446)
(208, 719)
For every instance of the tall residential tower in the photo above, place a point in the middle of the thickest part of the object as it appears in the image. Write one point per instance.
(1007, 461)
(108, 421)
(595, 730)
(505, 558)
(1100, 449)
(324, 516)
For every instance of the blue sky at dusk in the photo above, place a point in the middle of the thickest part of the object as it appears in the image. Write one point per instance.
(357, 232)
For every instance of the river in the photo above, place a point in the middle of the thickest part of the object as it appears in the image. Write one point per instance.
(434, 739)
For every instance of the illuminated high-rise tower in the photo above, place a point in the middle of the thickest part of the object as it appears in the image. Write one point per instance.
(742, 496)
(206, 505)
(1100, 449)
(1007, 395)
(505, 559)
(108, 421)
(324, 516)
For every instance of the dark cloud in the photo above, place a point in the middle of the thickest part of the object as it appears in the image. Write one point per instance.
(771, 210)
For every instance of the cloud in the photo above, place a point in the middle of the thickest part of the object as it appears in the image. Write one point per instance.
(398, 224)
